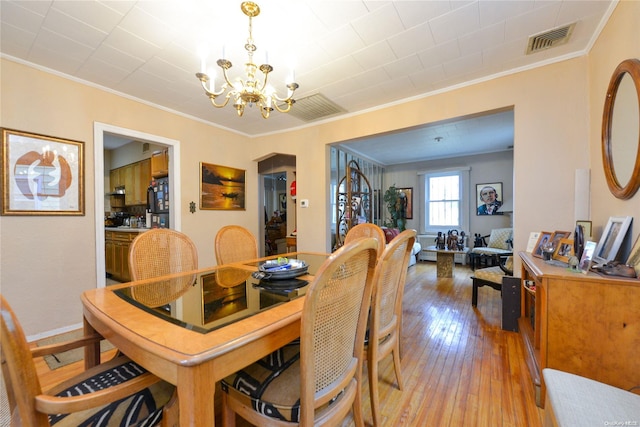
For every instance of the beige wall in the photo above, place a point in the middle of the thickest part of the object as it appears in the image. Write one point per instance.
(618, 41)
(46, 262)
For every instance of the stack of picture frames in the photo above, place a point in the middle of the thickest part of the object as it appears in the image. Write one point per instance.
(562, 244)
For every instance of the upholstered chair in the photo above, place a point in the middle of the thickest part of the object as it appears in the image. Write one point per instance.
(385, 325)
(119, 391)
(318, 381)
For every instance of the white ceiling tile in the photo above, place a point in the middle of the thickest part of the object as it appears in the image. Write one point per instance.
(92, 13)
(375, 55)
(462, 20)
(147, 27)
(495, 11)
(378, 25)
(414, 13)
(537, 21)
(109, 54)
(440, 53)
(335, 14)
(102, 73)
(413, 40)
(131, 44)
(69, 27)
(461, 65)
(404, 67)
(483, 38)
(22, 15)
(342, 41)
(62, 45)
(15, 41)
(121, 6)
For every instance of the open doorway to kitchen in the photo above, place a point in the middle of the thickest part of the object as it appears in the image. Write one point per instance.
(104, 131)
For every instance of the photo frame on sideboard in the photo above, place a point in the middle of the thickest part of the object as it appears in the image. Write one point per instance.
(611, 239)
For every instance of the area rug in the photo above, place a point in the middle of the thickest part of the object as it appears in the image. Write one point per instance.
(58, 360)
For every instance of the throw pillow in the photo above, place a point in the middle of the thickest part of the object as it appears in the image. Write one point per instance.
(390, 233)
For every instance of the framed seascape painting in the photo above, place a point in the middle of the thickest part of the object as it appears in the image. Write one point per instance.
(488, 198)
(221, 187)
(42, 175)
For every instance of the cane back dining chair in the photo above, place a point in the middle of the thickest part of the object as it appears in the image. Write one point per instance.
(117, 392)
(367, 229)
(234, 243)
(160, 252)
(385, 325)
(318, 381)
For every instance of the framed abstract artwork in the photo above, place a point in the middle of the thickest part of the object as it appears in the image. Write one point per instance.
(408, 192)
(221, 187)
(42, 175)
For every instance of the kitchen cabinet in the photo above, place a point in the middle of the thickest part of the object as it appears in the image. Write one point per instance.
(135, 178)
(117, 245)
(160, 164)
(584, 324)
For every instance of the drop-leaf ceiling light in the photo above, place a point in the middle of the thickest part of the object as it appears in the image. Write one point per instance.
(248, 91)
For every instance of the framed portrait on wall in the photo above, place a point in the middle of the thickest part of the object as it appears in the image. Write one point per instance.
(488, 198)
(221, 187)
(408, 192)
(42, 175)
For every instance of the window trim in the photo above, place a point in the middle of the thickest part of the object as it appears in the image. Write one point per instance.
(464, 174)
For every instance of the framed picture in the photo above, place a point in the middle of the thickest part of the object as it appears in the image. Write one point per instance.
(488, 198)
(408, 191)
(559, 235)
(634, 256)
(544, 238)
(587, 256)
(611, 239)
(282, 197)
(564, 250)
(42, 175)
(221, 187)
(586, 227)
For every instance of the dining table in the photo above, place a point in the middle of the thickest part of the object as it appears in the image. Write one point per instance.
(208, 323)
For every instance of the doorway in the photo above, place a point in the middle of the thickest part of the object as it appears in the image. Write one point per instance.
(278, 213)
(99, 132)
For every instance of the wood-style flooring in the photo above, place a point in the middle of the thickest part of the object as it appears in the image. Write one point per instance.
(460, 368)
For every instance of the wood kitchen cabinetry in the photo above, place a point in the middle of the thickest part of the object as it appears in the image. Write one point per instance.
(588, 325)
(160, 164)
(135, 178)
(117, 253)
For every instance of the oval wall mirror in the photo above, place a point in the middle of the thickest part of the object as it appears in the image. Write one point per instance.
(621, 130)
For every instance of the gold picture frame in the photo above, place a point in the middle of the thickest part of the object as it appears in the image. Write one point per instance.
(42, 175)
(222, 187)
(564, 250)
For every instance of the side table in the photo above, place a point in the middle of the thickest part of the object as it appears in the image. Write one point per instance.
(445, 260)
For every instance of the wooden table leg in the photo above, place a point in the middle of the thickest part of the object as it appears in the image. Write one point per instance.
(92, 351)
(196, 392)
(444, 264)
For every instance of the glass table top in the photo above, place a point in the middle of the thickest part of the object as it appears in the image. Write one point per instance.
(209, 299)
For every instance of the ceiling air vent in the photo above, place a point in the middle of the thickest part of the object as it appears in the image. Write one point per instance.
(550, 38)
(314, 107)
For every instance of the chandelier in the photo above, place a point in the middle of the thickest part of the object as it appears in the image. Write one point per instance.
(248, 91)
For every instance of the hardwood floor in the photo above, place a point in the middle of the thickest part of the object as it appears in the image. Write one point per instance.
(460, 368)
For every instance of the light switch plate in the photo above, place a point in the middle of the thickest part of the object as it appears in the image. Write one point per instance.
(304, 203)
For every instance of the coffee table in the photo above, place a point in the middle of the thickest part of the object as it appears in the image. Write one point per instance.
(445, 260)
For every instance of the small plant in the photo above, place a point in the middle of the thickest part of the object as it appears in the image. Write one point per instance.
(396, 202)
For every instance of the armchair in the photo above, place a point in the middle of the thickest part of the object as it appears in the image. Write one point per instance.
(500, 245)
(491, 276)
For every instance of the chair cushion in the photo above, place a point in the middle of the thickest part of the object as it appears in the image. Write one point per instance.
(490, 251)
(141, 409)
(498, 238)
(579, 401)
(489, 274)
(270, 386)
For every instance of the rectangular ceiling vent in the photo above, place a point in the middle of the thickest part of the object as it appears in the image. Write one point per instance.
(550, 38)
(314, 107)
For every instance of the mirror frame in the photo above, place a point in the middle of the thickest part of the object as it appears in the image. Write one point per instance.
(631, 66)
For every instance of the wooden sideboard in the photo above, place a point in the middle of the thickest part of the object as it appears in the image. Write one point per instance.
(585, 324)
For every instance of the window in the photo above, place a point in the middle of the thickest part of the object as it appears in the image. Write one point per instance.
(445, 201)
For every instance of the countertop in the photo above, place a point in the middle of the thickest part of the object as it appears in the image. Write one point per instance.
(127, 229)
